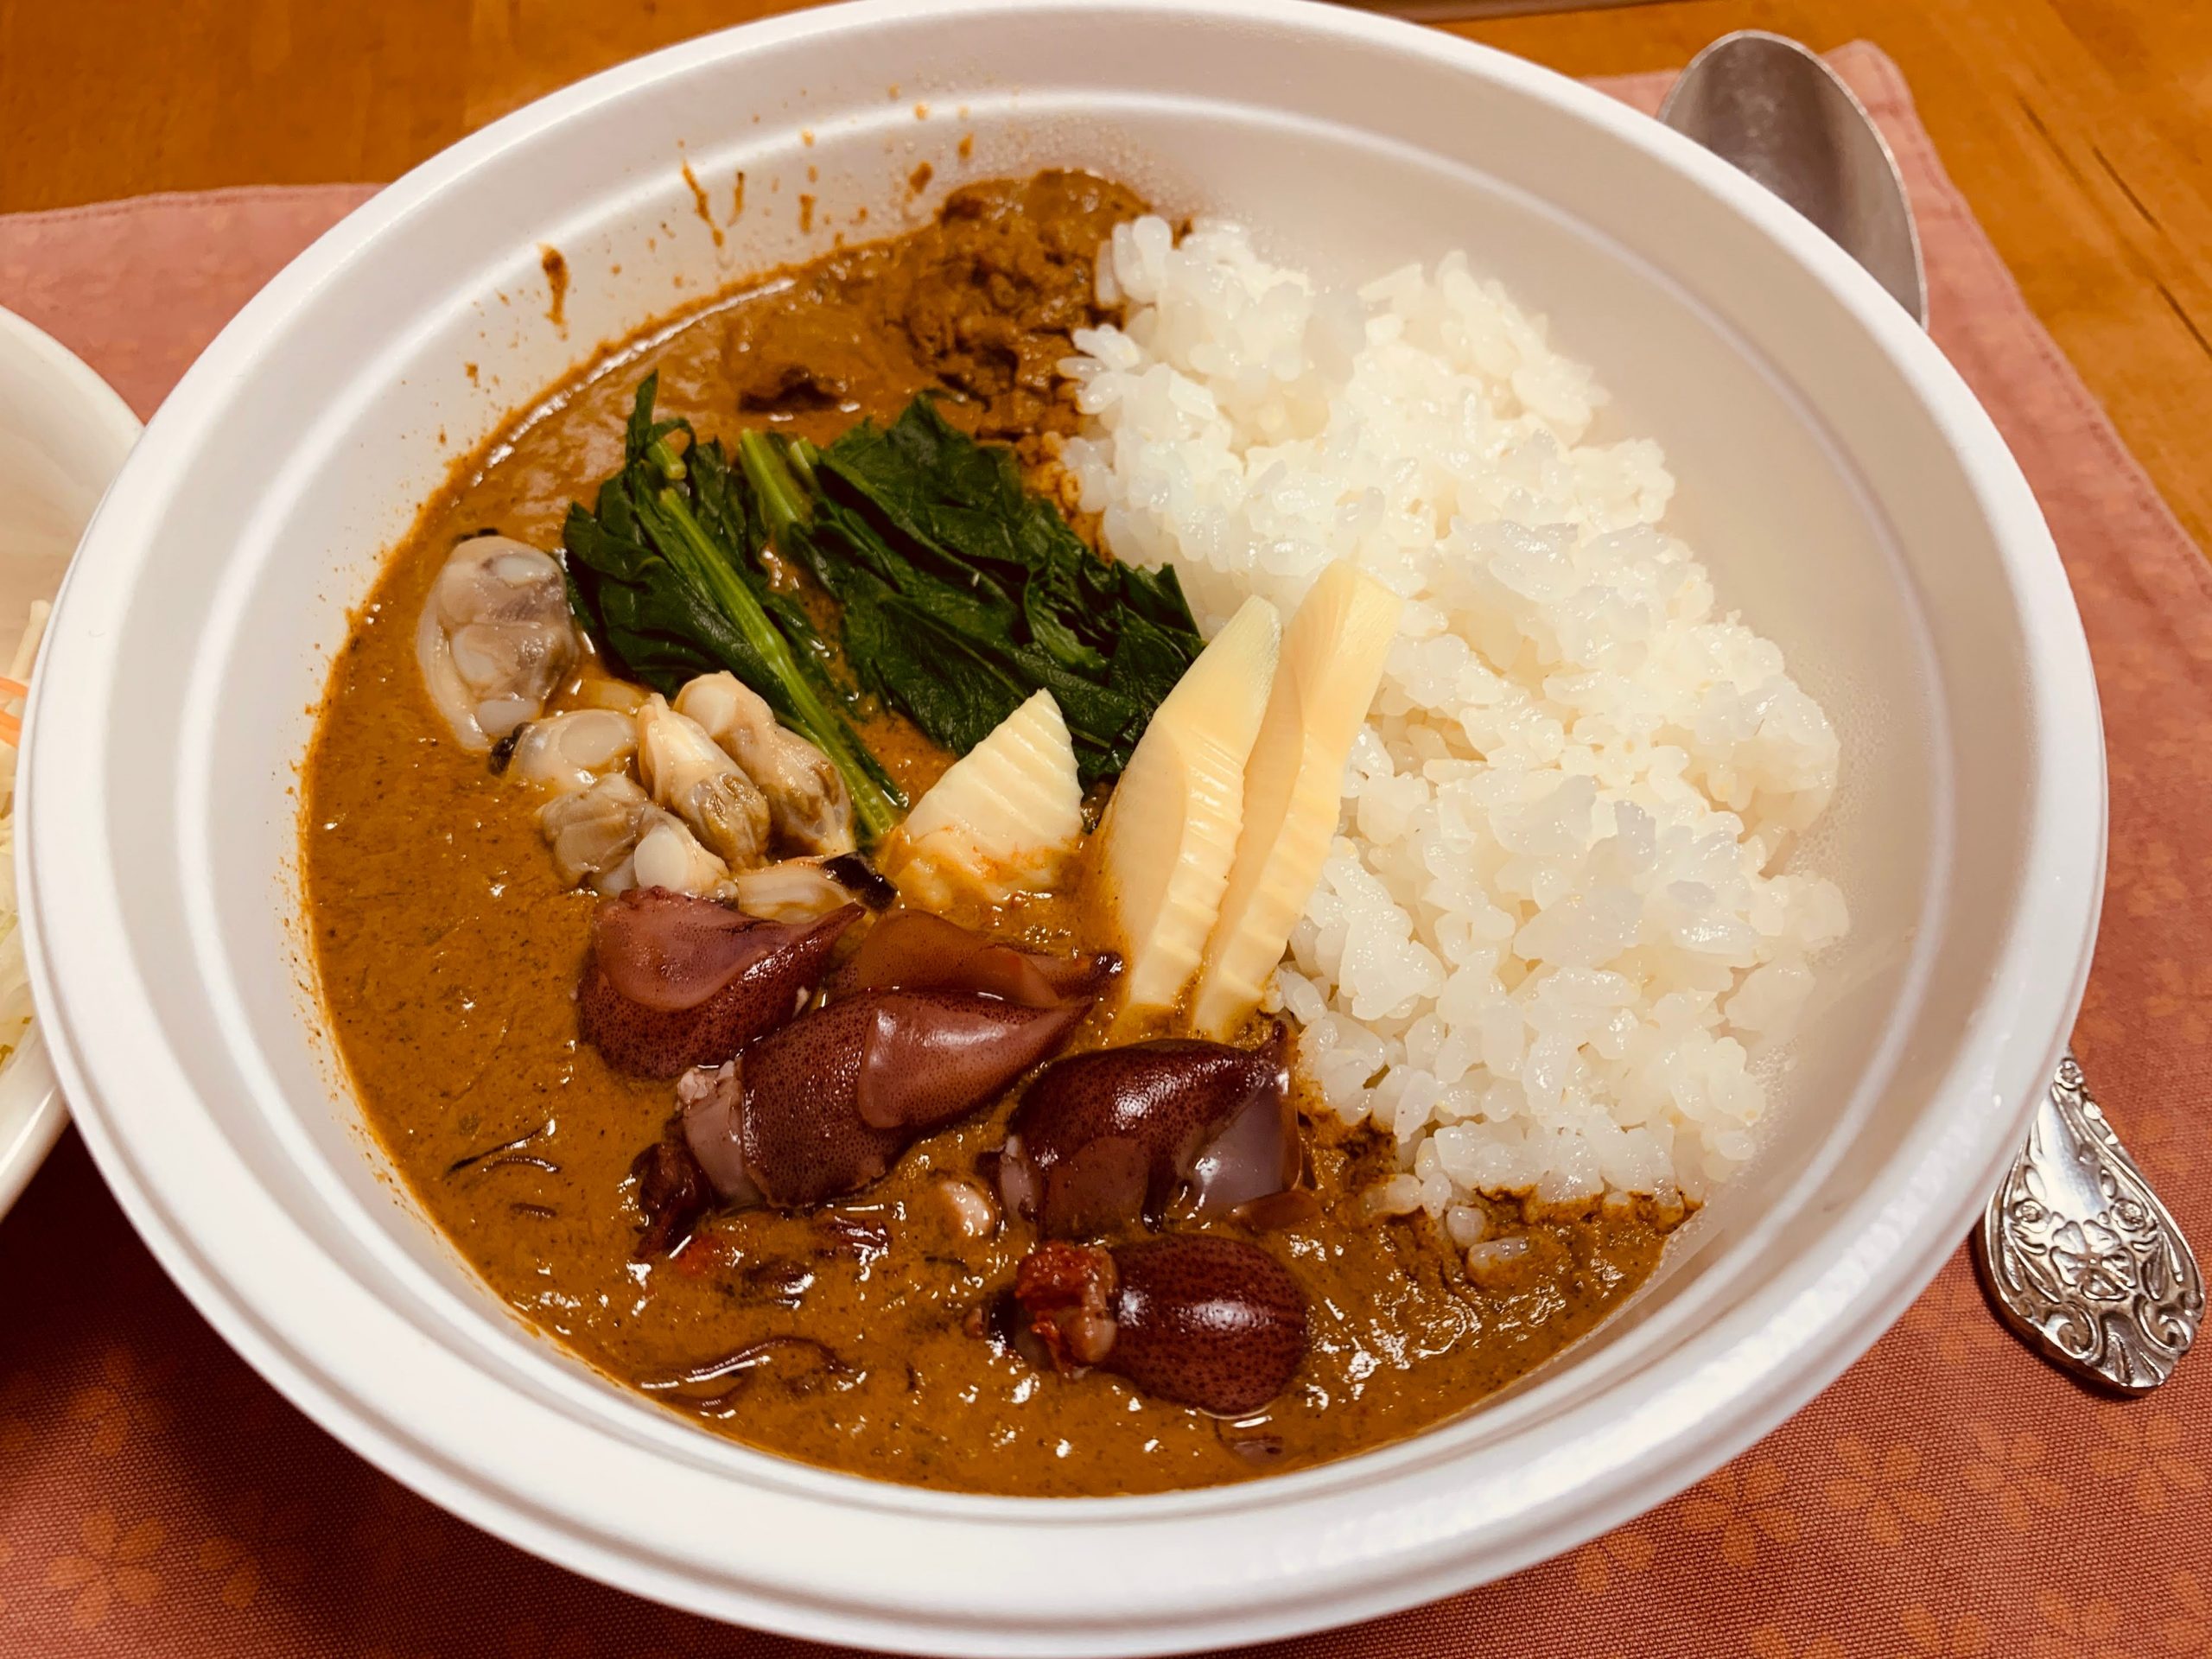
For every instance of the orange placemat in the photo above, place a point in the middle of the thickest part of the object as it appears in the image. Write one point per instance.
(1949, 1496)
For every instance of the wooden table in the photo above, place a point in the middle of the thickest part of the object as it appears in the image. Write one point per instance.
(2073, 126)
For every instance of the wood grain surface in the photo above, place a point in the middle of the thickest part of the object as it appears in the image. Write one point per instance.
(2074, 127)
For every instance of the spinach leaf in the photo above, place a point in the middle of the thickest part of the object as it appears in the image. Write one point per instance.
(665, 575)
(1012, 597)
(961, 593)
(944, 679)
(641, 613)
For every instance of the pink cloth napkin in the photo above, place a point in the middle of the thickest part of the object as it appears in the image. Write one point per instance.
(1949, 1496)
(138, 287)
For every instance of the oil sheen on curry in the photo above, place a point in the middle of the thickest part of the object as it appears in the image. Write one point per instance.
(802, 916)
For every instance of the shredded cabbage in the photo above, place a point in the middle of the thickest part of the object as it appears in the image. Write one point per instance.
(15, 973)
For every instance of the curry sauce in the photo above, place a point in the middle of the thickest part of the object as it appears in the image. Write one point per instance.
(449, 954)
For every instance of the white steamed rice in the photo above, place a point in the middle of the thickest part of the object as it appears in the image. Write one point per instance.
(1553, 939)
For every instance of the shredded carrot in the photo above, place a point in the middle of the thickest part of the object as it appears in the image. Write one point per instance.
(11, 729)
(13, 687)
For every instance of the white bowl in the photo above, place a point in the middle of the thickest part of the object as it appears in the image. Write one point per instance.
(1846, 489)
(63, 433)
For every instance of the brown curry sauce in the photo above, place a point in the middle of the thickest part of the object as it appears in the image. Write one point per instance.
(449, 954)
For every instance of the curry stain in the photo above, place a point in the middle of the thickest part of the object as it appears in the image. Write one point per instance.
(699, 205)
(737, 198)
(967, 150)
(805, 211)
(446, 952)
(919, 180)
(557, 284)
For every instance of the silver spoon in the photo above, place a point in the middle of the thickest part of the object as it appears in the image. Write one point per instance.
(1770, 108)
(2086, 1263)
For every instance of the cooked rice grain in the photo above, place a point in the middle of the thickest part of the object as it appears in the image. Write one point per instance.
(1556, 930)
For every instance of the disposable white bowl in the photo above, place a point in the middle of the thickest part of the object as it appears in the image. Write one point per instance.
(63, 433)
(1848, 493)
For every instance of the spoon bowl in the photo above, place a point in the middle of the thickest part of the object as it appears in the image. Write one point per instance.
(1775, 110)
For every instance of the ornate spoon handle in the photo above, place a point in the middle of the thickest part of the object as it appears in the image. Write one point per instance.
(2085, 1260)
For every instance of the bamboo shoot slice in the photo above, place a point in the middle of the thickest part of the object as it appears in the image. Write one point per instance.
(1003, 819)
(1170, 830)
(1332, 655)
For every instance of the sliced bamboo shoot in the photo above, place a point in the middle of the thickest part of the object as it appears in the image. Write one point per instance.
(1170, 831)
(1004, 818)
(1332, 655)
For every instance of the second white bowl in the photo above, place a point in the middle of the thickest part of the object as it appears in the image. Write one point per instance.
(63, 435)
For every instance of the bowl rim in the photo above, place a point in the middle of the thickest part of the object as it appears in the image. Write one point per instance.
(2043, 961)
(32, 1112)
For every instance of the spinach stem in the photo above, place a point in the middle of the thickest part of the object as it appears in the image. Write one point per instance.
(697, 556)
(784, 504)
(801, 454)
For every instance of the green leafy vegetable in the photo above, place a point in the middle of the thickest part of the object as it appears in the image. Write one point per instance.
(665, 575)
(963, 592)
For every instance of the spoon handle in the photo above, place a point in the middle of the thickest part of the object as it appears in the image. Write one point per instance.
(2085, 1262)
